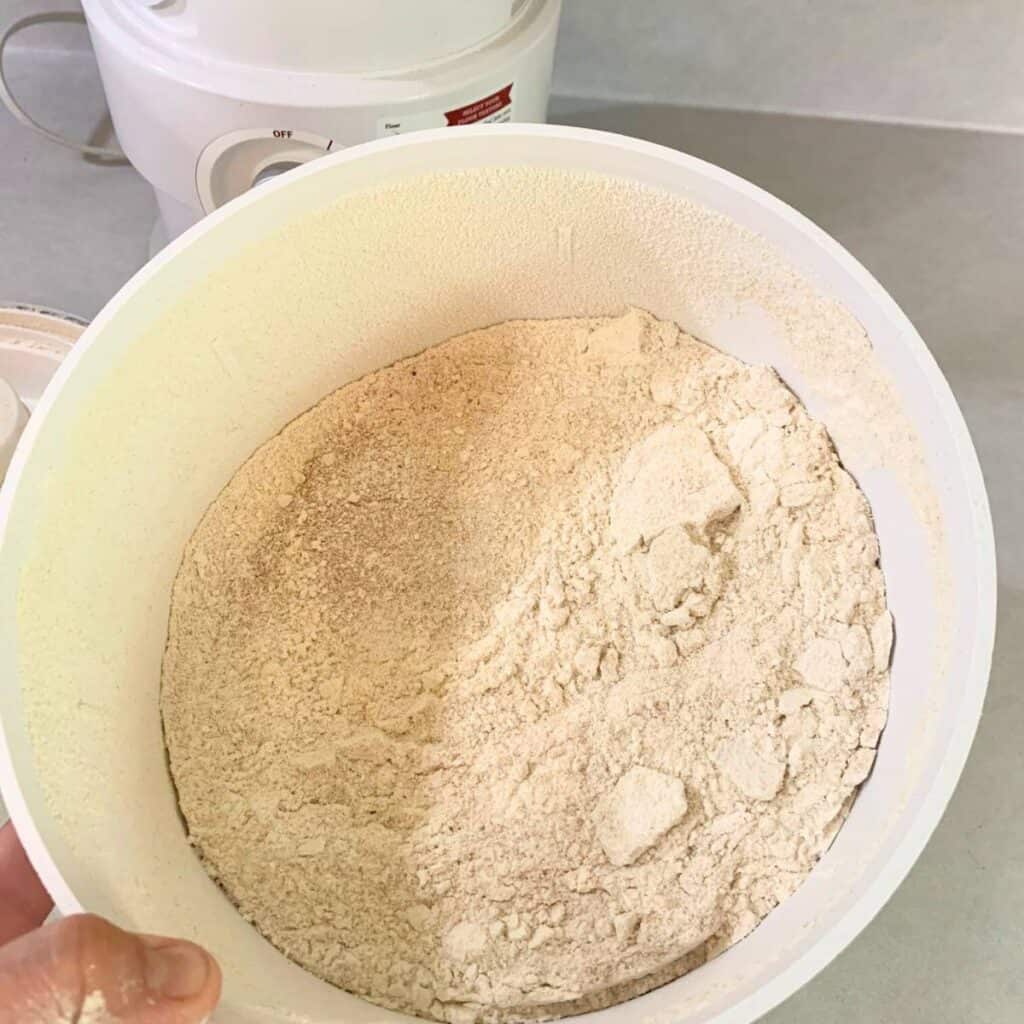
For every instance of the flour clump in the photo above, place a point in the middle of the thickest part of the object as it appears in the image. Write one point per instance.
(527, 674)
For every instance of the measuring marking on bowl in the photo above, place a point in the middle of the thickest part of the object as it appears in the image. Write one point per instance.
(284, 276)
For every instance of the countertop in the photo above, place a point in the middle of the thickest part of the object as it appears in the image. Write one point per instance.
(938, 216)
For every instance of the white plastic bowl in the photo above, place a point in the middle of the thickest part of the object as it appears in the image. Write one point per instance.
(357, 260)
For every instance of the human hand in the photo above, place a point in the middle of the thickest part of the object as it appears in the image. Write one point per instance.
(84, 969)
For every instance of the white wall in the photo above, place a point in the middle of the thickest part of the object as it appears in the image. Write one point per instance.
(949, 61)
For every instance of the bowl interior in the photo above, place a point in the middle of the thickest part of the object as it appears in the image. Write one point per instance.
(371, 256)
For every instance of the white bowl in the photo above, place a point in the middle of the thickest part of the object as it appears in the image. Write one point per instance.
(348, 264)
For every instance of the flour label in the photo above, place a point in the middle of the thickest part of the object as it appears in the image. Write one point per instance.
(495, 108)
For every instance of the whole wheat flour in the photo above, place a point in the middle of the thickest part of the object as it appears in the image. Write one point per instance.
(527, 674)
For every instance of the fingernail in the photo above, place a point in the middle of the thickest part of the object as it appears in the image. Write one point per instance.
(176, 970)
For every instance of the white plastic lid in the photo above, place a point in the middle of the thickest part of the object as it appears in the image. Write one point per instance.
(346, 36)
(13, 417)
(33, 341)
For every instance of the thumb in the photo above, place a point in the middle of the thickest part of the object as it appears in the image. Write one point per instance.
(85, 969)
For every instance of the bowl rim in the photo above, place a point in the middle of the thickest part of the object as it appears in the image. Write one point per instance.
(797, 973)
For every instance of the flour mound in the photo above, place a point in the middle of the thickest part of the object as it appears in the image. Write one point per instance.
(527, 674)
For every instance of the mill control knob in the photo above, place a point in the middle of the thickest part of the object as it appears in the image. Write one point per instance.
(274, 170)
(238, 161)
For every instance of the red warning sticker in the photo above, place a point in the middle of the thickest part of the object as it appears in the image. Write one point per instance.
(491, 109)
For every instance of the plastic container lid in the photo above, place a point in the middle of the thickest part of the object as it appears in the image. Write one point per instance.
(342, 37)
(33, 341)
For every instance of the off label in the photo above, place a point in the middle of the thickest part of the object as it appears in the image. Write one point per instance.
(495, 108)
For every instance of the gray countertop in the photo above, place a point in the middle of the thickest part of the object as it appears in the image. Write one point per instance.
(938, 216)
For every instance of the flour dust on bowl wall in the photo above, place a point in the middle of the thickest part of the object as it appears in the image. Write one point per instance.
(575, 419)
